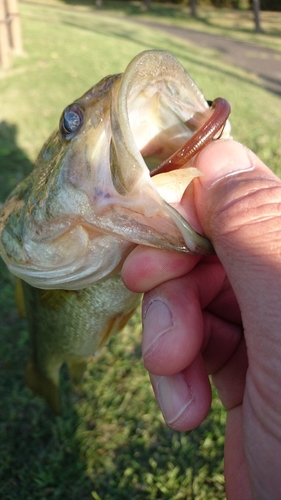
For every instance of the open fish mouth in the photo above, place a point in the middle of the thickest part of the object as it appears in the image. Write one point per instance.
(112, 177)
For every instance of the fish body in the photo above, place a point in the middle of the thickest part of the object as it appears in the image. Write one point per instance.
(66, 326)
(67, 228)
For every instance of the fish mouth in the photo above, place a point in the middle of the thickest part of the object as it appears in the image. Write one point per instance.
(155, 83)
(116, 201)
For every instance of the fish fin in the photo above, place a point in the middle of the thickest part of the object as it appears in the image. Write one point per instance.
(108, 331)
(125, 318)
(114, 326)
(42, 386)
(77, 368)
(19, 298)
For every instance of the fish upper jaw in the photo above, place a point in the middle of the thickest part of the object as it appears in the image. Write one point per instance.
(157, 77)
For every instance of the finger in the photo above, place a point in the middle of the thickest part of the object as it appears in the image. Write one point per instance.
(225, 305)
(230, 380)
(221, 340)
(235, 465)
(173, 327)
(184, 398)
(145, 268)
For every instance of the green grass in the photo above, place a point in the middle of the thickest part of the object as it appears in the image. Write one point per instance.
(111, 441)
(237, 24)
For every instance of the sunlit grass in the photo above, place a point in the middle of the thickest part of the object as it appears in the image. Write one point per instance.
(77, 50)
(111, 441)
(233, 23)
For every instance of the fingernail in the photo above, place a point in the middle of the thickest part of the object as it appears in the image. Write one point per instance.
(223, 159)
(173, 395)
(157, 319)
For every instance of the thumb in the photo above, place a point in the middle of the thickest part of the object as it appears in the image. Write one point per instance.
(238, 201)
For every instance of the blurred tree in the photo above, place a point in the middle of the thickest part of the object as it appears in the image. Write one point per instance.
(10, 31)
(193, 8)
(146, 4)
(256, 8)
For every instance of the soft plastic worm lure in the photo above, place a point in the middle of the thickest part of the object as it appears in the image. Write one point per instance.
(205, 134)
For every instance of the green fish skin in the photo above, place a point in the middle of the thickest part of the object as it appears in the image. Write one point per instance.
(69, 325)
(67, 228)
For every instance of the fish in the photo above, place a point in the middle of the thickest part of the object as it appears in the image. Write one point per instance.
(110, 177)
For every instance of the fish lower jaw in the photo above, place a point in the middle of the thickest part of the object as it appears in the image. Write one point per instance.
(95, 265)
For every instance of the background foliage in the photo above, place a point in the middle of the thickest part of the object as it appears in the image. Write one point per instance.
(272, 5)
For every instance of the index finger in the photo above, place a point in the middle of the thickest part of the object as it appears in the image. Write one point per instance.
(145, 267)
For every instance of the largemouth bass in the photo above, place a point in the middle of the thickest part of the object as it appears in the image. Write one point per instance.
(96, 191)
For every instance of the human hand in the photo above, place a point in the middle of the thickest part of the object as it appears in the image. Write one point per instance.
(221, 315)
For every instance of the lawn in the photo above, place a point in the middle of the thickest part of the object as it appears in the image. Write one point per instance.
(237, 24)
(111, 441)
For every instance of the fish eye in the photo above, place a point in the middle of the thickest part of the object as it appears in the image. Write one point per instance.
(71, 121)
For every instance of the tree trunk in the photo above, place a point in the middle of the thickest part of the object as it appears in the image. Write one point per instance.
(193, 8)
(14, 26)
(5, 48)
(146, 4)
(256, 8)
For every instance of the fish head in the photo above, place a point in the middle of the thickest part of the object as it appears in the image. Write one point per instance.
(91, 197)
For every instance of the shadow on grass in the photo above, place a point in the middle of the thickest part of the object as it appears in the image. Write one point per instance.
(133, 8)
(112, 448)
(15, 165)
(39, 454)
